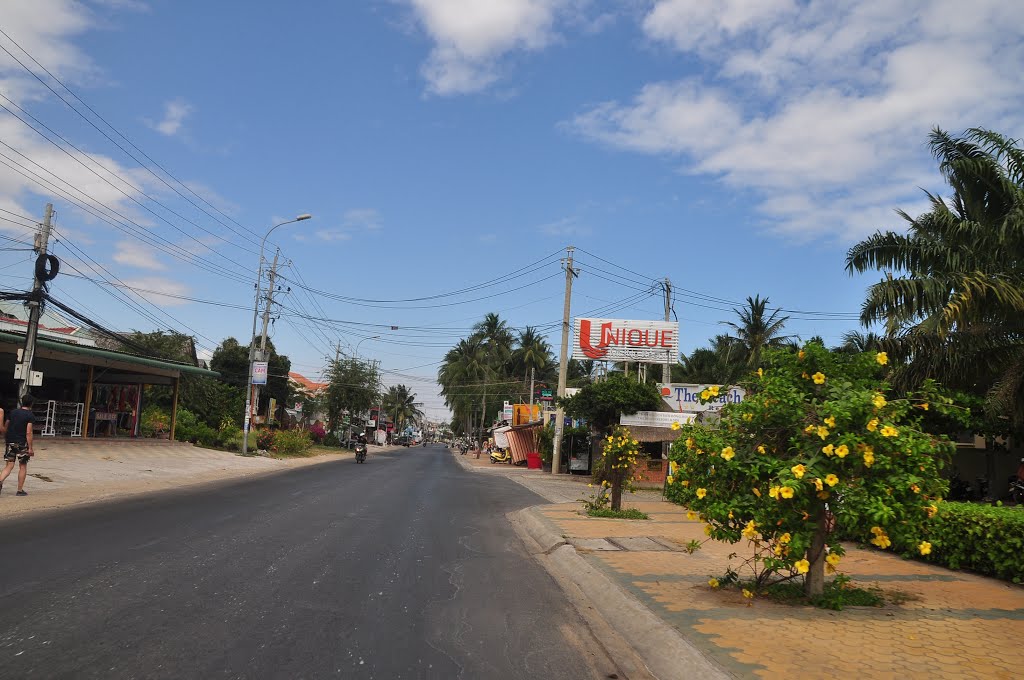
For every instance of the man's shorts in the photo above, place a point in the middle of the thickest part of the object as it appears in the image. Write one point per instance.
(17, 452)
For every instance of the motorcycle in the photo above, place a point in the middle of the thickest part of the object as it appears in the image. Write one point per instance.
(501, 456)
(1017, 491)
(360, 453)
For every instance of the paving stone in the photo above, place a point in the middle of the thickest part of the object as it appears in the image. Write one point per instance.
(593, 544)
(638, 543)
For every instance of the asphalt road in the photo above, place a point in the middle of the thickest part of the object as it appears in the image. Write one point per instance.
(404, 567)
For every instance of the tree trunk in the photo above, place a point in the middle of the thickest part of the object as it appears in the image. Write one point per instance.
(617, 493)
(814, 579)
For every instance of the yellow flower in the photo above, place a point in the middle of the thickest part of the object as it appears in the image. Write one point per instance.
(882, 358)
(786, 492)
(785, 538)
(810, 429)
(818, 486)
(689, 442)
(707, 529)
(669, 480)
(760, 373)
(822, 432)
(761, 449)
(925, 548)
(801, 354)
(798, 471)
(705, 395)
(924, 406)
(757, 492)
(691, 515)
(805, 376)
(748, 417)
(882, 541)
(877, 531)
(802, 566)
(828, 449)
(713, 582)
(823, 495)
(931, 510)
(676, 425)
(872, 424)
(818, 378)
(750, 531)
(832, 559)
(777, 550)
(915, 488)
(728, 453)
(878, 400)
(747, 594)
(830, 421)
(730, 514)
(889, 431)
(869, 459)
(685, 482)
(773, 492)
(842, 450)
(831, 479)
(702, 492)
(713, 390)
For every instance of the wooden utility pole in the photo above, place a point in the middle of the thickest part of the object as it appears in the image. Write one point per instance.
(563, 363)
(35, 305)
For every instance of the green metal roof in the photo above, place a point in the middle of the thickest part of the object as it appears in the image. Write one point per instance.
(112, 355)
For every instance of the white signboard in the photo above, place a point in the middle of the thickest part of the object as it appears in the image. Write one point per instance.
(685, 397)
(259, 373)
(652, 342)
(656, 419)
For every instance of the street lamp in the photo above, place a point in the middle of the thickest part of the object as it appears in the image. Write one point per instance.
(252, 342)
(376, 337)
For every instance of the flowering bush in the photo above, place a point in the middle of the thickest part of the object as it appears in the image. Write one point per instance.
(265, 439)
(619, 455)
(817, 443)
(292, 442)
(317, 433)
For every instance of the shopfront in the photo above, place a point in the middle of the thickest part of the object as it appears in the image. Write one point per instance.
(88, 391)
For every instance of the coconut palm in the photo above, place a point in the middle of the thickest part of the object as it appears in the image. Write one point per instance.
(757, 329)
(953, 292)
(399, 402)
(464, 367)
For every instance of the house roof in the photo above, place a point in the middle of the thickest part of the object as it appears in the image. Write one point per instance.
(305, 382)
(66, 351)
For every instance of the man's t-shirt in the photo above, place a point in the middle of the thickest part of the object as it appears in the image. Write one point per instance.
(17, 426)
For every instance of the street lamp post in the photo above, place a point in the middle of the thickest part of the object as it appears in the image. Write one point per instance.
(380, 406)
(252, 343)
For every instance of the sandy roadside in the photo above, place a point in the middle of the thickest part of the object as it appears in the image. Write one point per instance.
(67, 475)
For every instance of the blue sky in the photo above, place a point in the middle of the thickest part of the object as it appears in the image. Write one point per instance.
(738, 148)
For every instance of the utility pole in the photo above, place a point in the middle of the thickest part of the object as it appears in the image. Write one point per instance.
(531, 392)
(666, 370)
(563, 363)
(35, 306)
(337, 351)
(266, 324)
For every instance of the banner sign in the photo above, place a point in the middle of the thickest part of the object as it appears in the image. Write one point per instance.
(652, 342)
(685, 397)
(259, 372)
(656, 419)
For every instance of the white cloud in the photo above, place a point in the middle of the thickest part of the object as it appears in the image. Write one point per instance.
(135, 254)
(157, 289)
(366, 219)
(175, 113)
(471, 36)
(567, 226)
(822, 109)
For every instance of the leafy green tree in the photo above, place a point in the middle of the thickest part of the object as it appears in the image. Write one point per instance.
(351, 386)
(720, 364)
(953, 291)
(400, 403)
(819, 445)
(231, 360)
(600, 405)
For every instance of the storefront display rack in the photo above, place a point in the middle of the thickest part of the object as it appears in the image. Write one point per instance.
(63, 418)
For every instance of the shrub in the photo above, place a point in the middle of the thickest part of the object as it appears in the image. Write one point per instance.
(229, 435)
(292, 442)
(983, 538)
(154, 420)
(265, 439)
(331, 440)
(628, 513)
(317, 433)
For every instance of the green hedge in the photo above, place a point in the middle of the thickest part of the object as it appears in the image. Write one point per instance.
(983, 538)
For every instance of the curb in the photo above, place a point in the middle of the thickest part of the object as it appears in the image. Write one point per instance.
(666, 654)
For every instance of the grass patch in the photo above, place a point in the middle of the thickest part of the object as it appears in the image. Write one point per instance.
(839, 593)
(628, 513)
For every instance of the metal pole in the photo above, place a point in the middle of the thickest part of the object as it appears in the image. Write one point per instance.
(563, 364)
(666, 370)
(34, 307)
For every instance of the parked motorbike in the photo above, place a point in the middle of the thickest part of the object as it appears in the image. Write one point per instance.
(360, 453)
(1017, 491)
(501, 456)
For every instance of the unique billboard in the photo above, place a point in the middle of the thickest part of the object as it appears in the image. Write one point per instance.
(685, 397)
(652, 342)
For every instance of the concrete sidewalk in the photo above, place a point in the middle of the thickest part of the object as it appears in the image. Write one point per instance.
(64, 474)
(950, 624)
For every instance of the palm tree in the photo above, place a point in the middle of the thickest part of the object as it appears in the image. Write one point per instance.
(401, 403)
(953, 292)
(757, 329)
(464, 367)
(532, 352)
(721, 363)
(855, 342)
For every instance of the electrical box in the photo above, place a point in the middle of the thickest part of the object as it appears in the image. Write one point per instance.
(35, 378)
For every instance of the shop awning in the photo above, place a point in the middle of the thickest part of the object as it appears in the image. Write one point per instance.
(107, 358)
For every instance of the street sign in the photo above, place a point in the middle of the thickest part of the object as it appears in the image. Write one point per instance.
(656, 419)
(547, 395)
(259, 372)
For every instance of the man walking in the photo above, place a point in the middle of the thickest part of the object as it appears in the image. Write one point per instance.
(18, 427)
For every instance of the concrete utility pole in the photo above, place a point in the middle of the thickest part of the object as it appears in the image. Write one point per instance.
(266, 323)
(666, 371)
(563, 363)
(531, 392)
(34, 306)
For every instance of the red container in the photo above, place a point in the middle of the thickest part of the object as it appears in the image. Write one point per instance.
(533, 461)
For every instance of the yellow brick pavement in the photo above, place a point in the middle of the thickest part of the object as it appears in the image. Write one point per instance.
(951, 624)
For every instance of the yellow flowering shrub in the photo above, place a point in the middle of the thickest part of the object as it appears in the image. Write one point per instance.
(819, 444)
